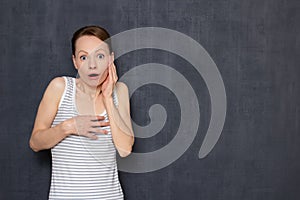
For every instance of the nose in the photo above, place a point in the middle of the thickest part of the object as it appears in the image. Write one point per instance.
(92, 63)
(92, 66)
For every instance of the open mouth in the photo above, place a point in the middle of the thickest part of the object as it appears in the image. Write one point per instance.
(93, 75)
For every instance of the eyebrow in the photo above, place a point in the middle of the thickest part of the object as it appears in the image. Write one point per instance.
(100, 49)
(81, 51)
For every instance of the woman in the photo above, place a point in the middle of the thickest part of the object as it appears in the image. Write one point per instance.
(84, 121)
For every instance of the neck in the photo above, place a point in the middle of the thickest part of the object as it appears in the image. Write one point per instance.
(92, 92)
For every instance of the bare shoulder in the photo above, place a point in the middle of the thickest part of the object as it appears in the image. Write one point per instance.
(55, 88)
(123, 95)
(122, 88)
(58, 83)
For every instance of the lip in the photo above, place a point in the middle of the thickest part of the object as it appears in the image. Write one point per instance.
(93, 76)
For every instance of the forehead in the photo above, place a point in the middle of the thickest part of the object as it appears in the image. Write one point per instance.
(90, 43)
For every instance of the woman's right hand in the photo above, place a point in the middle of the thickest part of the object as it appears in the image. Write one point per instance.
(85, 125)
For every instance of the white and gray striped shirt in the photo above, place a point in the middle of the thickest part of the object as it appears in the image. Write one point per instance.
(83, 168)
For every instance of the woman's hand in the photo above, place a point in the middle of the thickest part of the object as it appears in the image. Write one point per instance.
(85, 125)
(110, 81)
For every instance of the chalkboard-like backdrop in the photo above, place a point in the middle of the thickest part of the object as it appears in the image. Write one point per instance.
(255, 45)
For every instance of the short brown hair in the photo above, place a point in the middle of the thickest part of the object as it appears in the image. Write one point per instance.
(96, 31)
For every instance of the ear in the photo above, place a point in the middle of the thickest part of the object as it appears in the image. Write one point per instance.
(74, 62)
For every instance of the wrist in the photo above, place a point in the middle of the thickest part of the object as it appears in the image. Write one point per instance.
(63, 128)
(107, 100)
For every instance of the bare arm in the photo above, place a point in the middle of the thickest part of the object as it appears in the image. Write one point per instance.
(120, 121)
(44, 137)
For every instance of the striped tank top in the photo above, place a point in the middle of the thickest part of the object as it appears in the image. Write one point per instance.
(83, 168)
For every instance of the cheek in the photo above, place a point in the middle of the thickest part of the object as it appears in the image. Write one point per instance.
(82, 65)
(104, 63)
(82, 68)
(78, 64)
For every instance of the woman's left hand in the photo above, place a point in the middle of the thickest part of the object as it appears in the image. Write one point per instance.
(110, 81)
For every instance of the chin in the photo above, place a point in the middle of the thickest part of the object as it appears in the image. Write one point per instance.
(91, 83)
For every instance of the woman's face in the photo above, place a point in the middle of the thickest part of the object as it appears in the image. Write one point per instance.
(92, 59)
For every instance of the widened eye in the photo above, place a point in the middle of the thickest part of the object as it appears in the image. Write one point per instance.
(100, 56)
(83, 57)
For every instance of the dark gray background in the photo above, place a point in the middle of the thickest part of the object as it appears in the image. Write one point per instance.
(255, 45)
